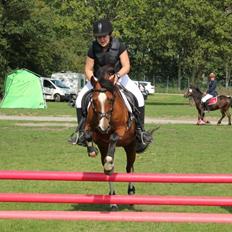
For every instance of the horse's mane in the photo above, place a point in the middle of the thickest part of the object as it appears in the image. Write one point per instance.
(102, 74)
(196, 88)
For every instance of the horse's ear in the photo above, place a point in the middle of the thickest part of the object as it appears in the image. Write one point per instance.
(93, 80)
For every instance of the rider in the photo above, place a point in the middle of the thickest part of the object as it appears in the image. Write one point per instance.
(211, 91)
(106, 49)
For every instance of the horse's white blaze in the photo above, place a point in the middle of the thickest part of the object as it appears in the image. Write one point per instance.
(190, 90)
(102, 123)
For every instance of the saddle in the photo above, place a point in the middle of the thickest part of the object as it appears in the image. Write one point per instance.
(128, 99)
(212, 101)
(85, 102)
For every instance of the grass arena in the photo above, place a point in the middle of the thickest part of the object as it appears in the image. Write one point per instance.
(177, 149)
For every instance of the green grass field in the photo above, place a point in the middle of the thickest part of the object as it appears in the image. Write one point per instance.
(176, 149)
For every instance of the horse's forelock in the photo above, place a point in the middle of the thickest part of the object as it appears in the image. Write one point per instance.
(103, 74)
(107, 84)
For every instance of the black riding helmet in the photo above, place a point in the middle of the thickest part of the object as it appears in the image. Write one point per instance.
(102, 27)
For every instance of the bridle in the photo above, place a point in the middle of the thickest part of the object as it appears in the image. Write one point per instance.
(107, 114)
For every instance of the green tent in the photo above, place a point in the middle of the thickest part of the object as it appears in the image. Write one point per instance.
(23, 89)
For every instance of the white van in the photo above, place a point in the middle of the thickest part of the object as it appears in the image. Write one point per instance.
(75, 81)
(56, 90)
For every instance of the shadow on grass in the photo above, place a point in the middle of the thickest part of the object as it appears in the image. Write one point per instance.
(167, 103)
(227, 208)
(101, 207)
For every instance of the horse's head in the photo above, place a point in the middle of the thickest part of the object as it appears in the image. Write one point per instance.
(188, 92)
(191, 90)
(103, 99)
(105, 72)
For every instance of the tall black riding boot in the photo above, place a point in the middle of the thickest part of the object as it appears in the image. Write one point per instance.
(78, 136)
(143, 137)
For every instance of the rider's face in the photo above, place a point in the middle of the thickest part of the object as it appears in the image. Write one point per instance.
(103, 40)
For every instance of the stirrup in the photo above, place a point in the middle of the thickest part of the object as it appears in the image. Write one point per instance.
(143, 136)
(77, 138)
(73, 138)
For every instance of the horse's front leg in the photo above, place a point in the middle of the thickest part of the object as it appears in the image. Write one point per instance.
(109, 159)
(201, 115)
(91, 150)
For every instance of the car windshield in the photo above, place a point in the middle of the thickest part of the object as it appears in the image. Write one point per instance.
(60, 84)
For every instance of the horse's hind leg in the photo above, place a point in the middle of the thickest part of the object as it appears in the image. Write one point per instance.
(131, 154)
(223, 116)
(131, 187)
(113, 207)
(229, 117)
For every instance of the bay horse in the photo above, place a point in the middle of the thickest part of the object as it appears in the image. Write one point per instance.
(221, 102)
(110, 124)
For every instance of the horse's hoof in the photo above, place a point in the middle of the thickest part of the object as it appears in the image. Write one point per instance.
(92, 154)
(200, 122)
(92, 151)
(114, 207)
(131, 191)
(108, 165)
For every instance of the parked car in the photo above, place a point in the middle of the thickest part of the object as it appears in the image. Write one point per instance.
(148, 86)
(56, 90)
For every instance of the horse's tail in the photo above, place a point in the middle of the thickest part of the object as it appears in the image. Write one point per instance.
(231, 101)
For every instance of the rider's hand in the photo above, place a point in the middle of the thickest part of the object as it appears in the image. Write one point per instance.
(113, 78)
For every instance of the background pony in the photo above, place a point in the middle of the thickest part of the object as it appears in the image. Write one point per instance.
(221, 102)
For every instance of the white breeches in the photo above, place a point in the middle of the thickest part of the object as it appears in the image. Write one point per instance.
(124, 81)
(206, 97)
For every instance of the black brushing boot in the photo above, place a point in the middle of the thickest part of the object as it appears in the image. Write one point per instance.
(143, 137)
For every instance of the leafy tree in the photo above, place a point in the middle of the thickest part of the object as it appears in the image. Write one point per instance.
(176, 41)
